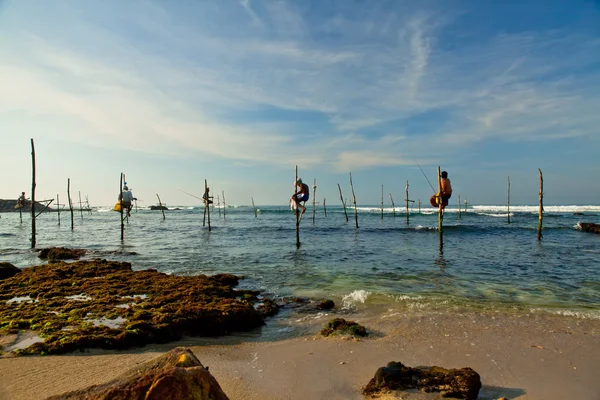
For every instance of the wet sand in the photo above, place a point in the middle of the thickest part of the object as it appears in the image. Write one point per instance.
(519, 356)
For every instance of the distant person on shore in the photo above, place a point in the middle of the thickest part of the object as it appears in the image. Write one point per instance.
(127, 199)
(301, 194)
(206, 197)
(21, 200)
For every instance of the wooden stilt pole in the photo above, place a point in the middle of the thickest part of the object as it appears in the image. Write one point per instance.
(459, 206)
(393, 205)
(508, 204)
(33, 231)
(407, 200)
(297, 213)
(314, 188)
(207, 203)
(87, 205)
(419, 206)
(541, 210)
(324, 207)
(70, 202)
(161, 206)
(120, 206)
(343, 203)
(354, 201)
(58, 209)
(382, 202)
(254, 207)
(20, 209)
(224, 204)
(440, 202)
(80, 206)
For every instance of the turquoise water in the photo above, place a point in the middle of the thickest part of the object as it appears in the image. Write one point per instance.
(480, 262)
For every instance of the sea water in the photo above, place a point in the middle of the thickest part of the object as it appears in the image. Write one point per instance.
(479, 262)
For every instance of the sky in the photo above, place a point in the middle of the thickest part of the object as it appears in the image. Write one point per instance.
(239, 92)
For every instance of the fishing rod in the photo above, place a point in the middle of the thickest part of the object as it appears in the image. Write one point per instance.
(425, 177)
(189, 194)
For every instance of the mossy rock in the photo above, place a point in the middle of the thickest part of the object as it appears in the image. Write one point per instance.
(340, 326)
(99, 304)
(8, 270)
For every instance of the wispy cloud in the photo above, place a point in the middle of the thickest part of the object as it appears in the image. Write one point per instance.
(164, 81)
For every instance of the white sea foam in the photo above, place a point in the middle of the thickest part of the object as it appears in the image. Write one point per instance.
(358, 296)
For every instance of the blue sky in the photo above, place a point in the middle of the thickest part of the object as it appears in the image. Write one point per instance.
(239, 92)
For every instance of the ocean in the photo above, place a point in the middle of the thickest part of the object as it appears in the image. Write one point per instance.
(387, 266)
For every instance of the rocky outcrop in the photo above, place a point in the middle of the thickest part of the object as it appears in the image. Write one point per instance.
(154, 208)
(462, 383)
(7, 270)
(9, 206)
(175, 375)
(589, 227)
(342, 327)
(60, 253)
(105, 304)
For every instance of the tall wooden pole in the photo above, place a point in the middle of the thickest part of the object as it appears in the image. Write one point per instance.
(508, 204)
(205, 200)
(354, 201)
(382, 202)
(541, 210)
(207, 203)
(440, 207)
(70, 202)
(459, 206)
(33, 232)
(253, 206)
(297, 213)
(393, 205)
(224, 203)
(419, 206)
(20, 208)
(80, 206)
(58, 208)
(120, 207)
(161, 207)
(325, 206)
(314, 188)
(407, 200)
(343, 203)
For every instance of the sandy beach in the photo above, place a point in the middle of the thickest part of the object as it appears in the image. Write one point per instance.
(519, 356)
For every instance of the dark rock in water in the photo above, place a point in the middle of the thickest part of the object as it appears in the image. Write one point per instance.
(175, 375)
(60, 253)
(326, 304)
(268, 307)
(105, 304)
(341, 326)
(158, 208)
(589, 227)
(462, 383)
(7, 270)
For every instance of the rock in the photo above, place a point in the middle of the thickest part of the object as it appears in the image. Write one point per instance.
(60, 253)
(154, 208)
(268, 307)
(341, 326)
(326, 304)
(175, 375)
(589, 227)
(462, 383)
(7, 270)
(105, 304)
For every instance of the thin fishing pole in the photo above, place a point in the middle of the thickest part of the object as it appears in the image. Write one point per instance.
(189, 194)
(425, 177)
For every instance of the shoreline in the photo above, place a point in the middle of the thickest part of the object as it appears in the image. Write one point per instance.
(524, 356)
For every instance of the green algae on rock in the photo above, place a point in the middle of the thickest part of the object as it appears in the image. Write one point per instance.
(341, 326)
(462, 383)
(105, 304)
